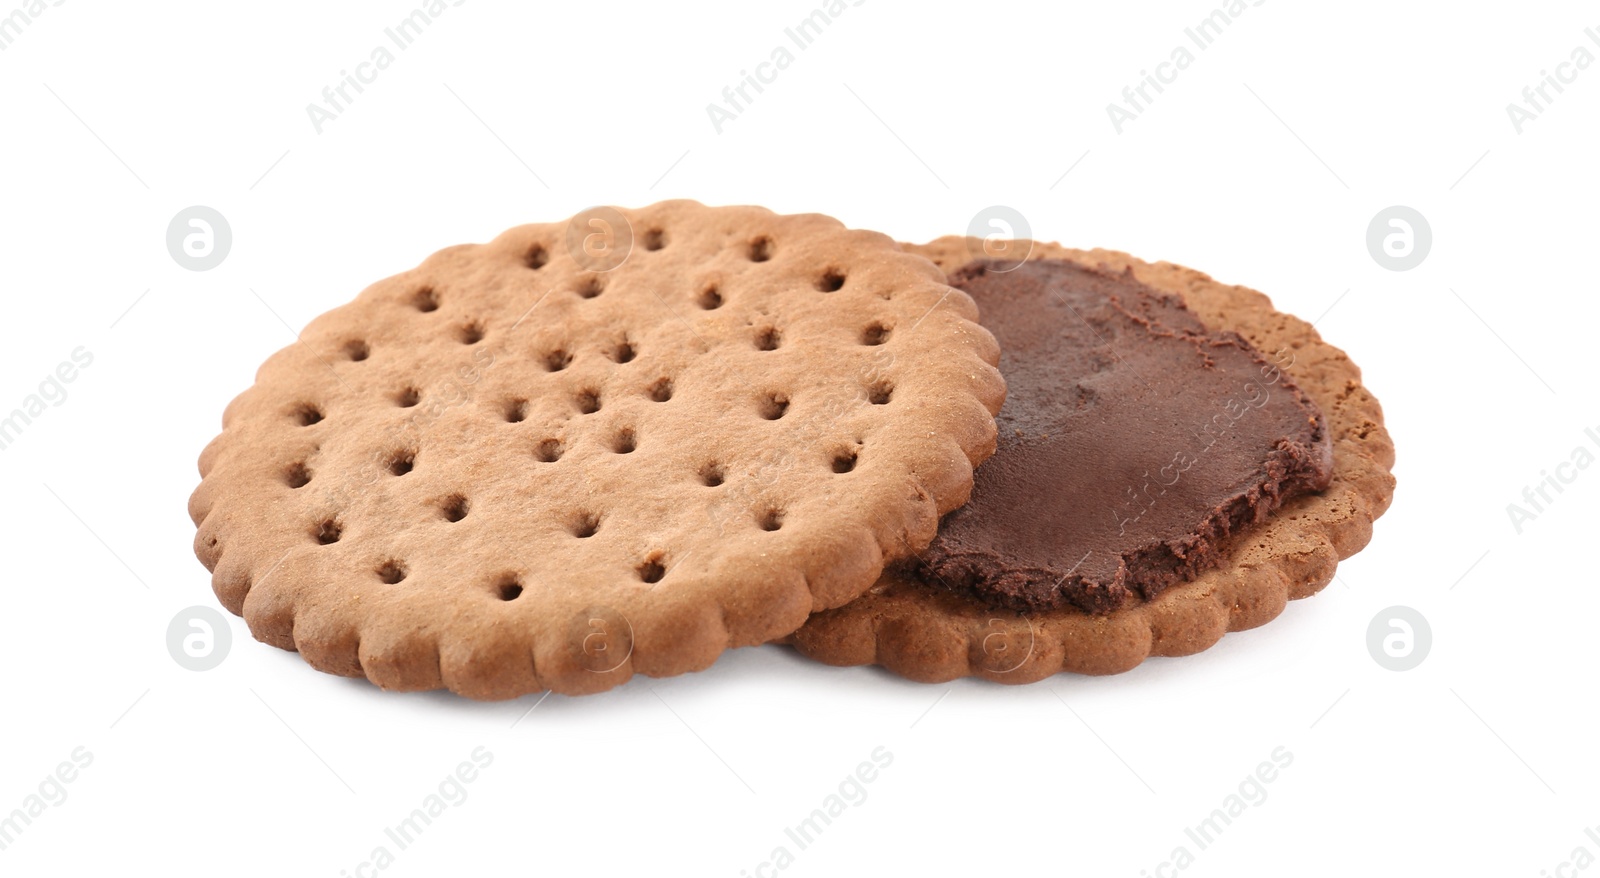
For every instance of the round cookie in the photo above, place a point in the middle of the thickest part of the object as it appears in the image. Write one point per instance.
(619, 444)
(934, 634)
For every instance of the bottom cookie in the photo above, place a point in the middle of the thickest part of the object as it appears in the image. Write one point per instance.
(927, 633)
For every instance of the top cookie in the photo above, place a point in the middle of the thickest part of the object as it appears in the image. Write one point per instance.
(553, 460)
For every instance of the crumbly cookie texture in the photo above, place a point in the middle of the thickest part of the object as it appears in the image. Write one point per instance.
(502, 471)
(931, 634)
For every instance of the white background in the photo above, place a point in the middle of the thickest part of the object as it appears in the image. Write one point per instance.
(1262, 165)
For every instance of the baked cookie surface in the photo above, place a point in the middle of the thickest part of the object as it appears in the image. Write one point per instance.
(529, 465)
(925, 632)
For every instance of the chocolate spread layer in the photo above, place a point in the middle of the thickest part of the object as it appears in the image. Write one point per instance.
(1133, 442)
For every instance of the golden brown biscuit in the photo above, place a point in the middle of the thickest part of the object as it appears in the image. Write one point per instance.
(520, 466)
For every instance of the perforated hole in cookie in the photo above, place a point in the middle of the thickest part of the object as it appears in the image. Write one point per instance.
(768, 339)
(508, 587)
(453, 508)
(327, 533)
(471, 333)
(831, 281)
(875, 334)
(407, 397)
(590, 286)
(710, 298)
(425, 300)
(548, 451)
(661, 391)
(515, 411)
(357, 350)
(391, 572)
(536, 257)
(652, 569)
(298, 475)
(306, 414)
(844, 460)
(760, 249)
(556, 360)
(402, 462)
(773, 406)
(654, 239)
(625, 441)
(711, 475)
(880, 393)
(587, 401)
(622, 352)
(769, 519)
(584, 525)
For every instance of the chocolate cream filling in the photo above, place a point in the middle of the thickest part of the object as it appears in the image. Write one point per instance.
(1134, 442)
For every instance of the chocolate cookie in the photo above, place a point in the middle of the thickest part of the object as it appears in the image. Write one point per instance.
(583, 450)
(994, 613)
